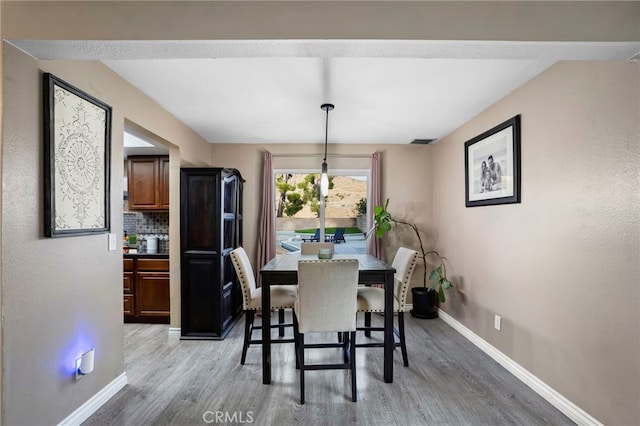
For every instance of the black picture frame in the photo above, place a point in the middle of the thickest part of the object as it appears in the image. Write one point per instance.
(492, 166)
(77, 162)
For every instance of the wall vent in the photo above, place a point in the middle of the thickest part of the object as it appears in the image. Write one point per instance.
(422, 141)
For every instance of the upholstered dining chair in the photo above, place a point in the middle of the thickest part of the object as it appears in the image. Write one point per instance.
(327, 293)
(371, 299)
(312, 248)
(282, 297)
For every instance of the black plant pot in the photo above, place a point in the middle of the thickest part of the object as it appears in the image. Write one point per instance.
(424, 303)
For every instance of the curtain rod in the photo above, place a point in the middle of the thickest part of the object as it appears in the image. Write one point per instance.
(320, 155)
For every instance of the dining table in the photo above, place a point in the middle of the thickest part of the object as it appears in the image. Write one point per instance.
(283, 270)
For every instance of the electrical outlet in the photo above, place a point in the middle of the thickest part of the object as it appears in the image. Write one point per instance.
(498, 322)
(113, 242)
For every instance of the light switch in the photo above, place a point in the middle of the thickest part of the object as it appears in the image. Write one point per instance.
(113, 242)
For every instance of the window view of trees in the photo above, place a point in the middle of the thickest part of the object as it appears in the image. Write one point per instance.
(292, 196)
(361, 206)
(297, 199)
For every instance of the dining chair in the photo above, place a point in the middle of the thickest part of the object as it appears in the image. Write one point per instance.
(282, 297)
(312, 248)
(327, 299)
(371, 299)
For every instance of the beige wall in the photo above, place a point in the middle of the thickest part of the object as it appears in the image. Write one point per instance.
(561, 267)
(62, 296)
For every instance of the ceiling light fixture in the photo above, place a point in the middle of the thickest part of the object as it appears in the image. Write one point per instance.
(324, 178)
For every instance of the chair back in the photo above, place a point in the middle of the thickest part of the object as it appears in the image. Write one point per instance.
(404, 262)
(244, 271)
(339, 235)
(312, 248)
(327, 295)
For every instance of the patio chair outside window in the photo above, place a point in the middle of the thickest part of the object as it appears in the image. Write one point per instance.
(338, 237)
(316, 236)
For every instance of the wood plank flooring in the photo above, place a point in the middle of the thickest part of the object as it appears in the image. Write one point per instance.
(449, 381)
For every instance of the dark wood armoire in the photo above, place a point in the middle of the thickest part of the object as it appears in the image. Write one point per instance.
(210, 228)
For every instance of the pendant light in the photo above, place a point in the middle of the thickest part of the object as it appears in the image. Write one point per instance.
(324, 178)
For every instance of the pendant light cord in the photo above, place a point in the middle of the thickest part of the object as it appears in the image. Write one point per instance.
(327, 108)
(326, 134)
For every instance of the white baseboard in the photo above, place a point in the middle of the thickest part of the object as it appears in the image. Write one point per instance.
(567, 407)
(83, 412)
(175, 332)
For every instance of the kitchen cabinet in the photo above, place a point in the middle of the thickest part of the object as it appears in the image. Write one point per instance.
(210, 228)
(146, 290)
(148, 182)
(127, 284)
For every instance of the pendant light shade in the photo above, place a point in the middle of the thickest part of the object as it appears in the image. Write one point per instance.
(324, 178)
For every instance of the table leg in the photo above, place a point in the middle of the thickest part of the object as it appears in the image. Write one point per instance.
(388, 328)
(266, 333)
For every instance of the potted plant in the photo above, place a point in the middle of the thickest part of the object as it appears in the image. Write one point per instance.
(424, 298)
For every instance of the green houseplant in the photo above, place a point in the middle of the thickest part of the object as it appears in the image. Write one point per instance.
(423, 298)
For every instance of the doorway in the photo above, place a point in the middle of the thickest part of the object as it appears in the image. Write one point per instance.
(146, 282)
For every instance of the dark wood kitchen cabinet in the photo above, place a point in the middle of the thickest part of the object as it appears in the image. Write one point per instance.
(148, 182)
(146, 290)
(210, 228)
(127, 284)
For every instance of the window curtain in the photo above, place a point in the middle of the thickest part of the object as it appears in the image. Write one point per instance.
(374, 245)
(266, 228)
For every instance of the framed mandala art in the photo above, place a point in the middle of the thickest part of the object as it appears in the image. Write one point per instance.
(77, 143)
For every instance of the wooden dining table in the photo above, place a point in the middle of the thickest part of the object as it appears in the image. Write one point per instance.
(283, 270)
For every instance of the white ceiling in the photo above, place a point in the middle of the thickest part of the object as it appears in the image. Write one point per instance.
(389, 92)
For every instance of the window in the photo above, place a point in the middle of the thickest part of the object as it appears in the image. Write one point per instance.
(298, 208)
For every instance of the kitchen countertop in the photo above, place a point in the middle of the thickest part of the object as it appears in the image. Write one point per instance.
(138, 255)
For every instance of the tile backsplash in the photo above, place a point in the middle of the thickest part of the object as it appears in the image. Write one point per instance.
(130, 222)
(153, 223)
(145, 224)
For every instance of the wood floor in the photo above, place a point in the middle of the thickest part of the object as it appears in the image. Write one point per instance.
(449, 381)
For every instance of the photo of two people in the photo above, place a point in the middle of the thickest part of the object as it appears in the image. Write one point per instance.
(492, 165)
(491, 175)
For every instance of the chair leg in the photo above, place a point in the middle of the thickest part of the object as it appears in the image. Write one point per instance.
(403, 345)
(248, 325)
(352, 355)
(281, 321)
(296, 340)
(301, 355)
(345, 347)
(367, 323)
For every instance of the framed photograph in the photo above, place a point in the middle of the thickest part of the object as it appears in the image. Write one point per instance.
(492, 166)
(77, 146)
